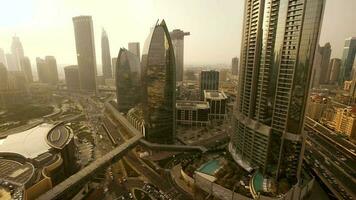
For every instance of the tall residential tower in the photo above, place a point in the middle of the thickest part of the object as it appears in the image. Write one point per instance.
(348, 58)
(278, 44)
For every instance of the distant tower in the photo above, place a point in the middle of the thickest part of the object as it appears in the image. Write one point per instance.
(72, 78)
(17, 52)
(2, 57)
(177, 37)
(105, 55)
(335, 65)
(84, 41)
(52, 69)
(134, 47)
(325, 52)
(159, 85)
(11, 62)
(26, 68)
(3, 77)
(113, 64)
(278, 45)
(42, 70)
(209, 80)
(128, 81)
(348, 58)
(235, 66)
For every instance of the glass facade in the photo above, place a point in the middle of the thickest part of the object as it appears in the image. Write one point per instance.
(279, 41)
(348, 58)
(105, 55)
(84, 42)
(158, 66)
(128, 80)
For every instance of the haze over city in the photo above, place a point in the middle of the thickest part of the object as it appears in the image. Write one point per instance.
(178, 100)
(45, 27)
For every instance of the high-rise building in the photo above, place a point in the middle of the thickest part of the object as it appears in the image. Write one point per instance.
(235, 66)
(335, 65)
(113, 64)
(105, 55)
(72, 77)
(277, 52)
(42, 70)
(3, 77)
(84, 41)
(134, 47)
(26, 68)
(217, 101)
(128, 81)
(209, 80)
(159, 74)
(52, 69)
(2, 57)
(348, 58)
(325, 52)
(316, 72)
(11, 62)
(17, 51)
(177, 37)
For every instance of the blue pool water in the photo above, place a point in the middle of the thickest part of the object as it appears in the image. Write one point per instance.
(209, 167)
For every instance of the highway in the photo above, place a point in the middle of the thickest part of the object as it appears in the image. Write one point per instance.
(331, 161)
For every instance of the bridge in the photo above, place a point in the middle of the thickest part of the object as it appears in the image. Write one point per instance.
(74, 182)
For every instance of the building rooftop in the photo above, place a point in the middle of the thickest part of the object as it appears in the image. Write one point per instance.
(192, 105)
(35, 141)
(215, 95)
(16, 172)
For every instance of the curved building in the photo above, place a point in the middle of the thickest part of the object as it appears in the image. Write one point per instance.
(128, 80)
(32, 161)
(278, 44)
(158, 66)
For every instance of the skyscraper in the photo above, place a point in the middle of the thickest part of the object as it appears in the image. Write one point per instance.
(128, 80)
(335, 65)
(278, 44)
(209, 80)
(325, 52)
(72, 77)
(348, 58)
(17, 51)
(26, 68)
(316, 72)
(11, 62)
(52, 69)
(134, 47)
(105, 55)
(177, 37)
(84, 41)
(113, 64)
(2, 57)
(3, 77)
(235, 66)
(158, 66)
(42, 70)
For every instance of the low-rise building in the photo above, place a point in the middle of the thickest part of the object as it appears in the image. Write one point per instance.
(345, 121)
(316, 107)
(192, 113)
(217, 101)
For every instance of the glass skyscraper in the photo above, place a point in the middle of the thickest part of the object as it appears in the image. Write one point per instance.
(84, 41)
(128, 80)
(278, 44)
(105, 55)
(348, 58)
(159, 70)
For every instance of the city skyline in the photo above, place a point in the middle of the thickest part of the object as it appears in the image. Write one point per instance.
(54, 21)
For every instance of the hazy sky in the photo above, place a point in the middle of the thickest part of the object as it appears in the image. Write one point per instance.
(45, 26)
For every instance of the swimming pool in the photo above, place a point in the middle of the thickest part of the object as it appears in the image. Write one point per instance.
(210, 167)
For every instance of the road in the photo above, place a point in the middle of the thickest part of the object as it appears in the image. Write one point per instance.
(331, 161)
